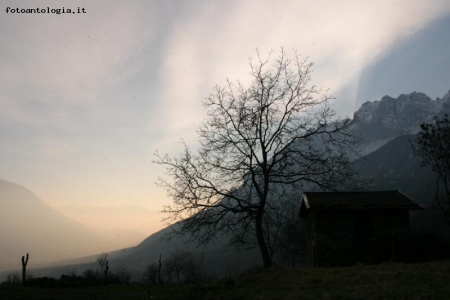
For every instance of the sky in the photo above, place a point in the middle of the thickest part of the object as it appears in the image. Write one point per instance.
(87, 98)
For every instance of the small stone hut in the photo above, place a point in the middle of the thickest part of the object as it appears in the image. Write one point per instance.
(343, 228)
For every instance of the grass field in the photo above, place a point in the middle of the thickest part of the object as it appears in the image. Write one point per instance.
(388, 281)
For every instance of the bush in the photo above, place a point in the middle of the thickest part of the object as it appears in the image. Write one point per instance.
(13, 278)
(43, 282)
(151, 273)
(91, 277)
(122, 274)
(70, 280)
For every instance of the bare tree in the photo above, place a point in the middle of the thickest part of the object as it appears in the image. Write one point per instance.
(176, 263)
(159, 269)
(282, 227)
(123, 274)
(278, 219)
(13, 278)
(433, 146)
(102, 261)
(257, 142)
(24, 269)
(151, 273)
(193, 270)
(91, 276)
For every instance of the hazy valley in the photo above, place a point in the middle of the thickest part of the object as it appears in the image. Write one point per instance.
(29, 225)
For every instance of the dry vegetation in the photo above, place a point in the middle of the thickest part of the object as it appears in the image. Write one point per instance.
(388, 281)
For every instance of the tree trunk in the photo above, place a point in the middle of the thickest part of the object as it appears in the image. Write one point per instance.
(267, 262)
(24, 269)
(159, 271)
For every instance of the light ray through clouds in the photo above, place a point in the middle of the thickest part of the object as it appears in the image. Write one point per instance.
(87, 98)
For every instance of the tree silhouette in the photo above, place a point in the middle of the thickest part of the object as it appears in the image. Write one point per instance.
(24, 269)
(257, 143)
(433, 146)
(150, 275)
(175, 263)
(102, 261)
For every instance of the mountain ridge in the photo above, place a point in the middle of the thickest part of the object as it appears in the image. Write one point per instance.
(380, 121)
(393, 154)
(387, 126)
(29, 225)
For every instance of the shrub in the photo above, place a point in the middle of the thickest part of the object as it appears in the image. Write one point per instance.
(13, 278)
(122, 274)
(91, 277)
(151, 273)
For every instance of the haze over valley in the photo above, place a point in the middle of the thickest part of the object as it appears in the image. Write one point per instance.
(88, 99)
(28, 224)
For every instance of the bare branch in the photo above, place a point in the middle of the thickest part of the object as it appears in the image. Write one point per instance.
(258, 142)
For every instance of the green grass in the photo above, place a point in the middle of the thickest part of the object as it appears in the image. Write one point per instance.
(388, 281)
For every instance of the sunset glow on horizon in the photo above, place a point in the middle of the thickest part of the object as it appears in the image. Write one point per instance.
(88, 97)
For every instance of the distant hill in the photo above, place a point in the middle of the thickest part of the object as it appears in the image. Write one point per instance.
(217, 257)
(29, 225)
(394, 167)
(387, 127)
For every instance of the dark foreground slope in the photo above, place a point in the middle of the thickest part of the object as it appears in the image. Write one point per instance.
(388, 281)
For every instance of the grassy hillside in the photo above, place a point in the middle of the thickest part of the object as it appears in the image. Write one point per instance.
(389, 281)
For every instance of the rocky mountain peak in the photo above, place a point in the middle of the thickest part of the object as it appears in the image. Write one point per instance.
(446, 98)
(380, 121)
(403, 113)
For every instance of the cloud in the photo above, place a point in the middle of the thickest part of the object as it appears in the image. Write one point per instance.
(341, 37)
(419, 64)
(67, 63)
(61, 70)
(90, 94)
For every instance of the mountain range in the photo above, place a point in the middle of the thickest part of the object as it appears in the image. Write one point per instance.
(379, 122)
(387, 127)
(28, 224)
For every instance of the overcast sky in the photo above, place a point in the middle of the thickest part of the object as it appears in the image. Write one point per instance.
(87, 98)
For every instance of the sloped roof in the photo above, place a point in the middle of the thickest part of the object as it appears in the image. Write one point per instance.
(356, 200)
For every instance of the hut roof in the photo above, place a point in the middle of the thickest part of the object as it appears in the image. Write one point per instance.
(356, 201)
